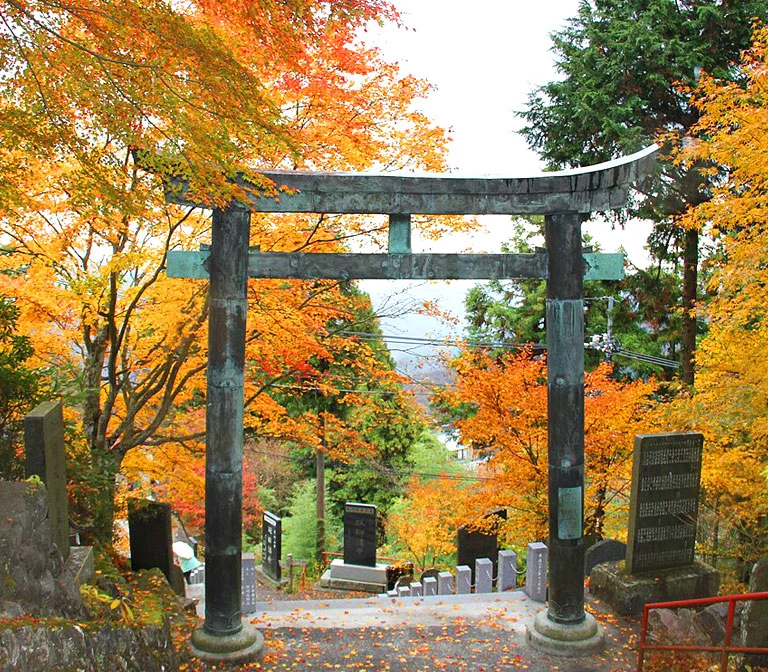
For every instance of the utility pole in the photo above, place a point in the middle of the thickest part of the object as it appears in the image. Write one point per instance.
(320, 481)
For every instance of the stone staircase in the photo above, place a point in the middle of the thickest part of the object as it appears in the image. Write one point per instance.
(509, 610)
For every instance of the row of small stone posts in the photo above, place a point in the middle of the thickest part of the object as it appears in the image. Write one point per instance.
(444, 583)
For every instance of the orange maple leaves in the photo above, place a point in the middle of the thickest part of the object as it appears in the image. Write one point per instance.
(505, 424)
(729, 404)
(206, 90)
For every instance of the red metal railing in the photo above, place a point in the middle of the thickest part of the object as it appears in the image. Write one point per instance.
(725, 650)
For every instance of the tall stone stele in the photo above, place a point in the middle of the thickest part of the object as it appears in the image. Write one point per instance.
(45, 458)
(663, 514)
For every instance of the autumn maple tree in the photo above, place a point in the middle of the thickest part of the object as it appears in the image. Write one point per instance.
(440, 496)
(99, 102)
(501, 405)
(730, 401)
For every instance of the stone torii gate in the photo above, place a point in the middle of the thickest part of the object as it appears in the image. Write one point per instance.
(565, 199)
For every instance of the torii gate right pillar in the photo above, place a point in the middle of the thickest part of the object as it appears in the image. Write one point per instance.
(565, 627)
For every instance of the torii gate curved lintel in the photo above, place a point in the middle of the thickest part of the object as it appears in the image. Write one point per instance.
(604, 186)
(565, 198)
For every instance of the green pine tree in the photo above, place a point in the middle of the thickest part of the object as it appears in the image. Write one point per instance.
(622, 64)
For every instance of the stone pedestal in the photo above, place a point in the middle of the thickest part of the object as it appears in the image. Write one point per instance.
(343, 576)
(242, 647)
(565, 640)
(263, 577)
(628, 594)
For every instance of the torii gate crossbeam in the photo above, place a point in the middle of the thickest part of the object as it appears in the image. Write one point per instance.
(565, 198)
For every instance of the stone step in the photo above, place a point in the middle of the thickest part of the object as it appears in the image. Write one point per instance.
(511, 610)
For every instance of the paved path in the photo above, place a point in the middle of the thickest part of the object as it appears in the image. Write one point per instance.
(480, 633)
(510, 610)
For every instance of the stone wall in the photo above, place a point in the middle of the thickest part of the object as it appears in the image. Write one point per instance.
(36, 584)
(72, 647)
(33, 578)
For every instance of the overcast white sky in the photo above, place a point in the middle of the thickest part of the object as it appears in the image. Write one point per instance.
(483, 58)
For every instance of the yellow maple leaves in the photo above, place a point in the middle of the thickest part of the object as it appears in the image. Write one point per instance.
(99, 99)
(729, 404)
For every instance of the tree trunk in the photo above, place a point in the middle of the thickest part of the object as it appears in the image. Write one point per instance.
(690, 274)
(92, 373)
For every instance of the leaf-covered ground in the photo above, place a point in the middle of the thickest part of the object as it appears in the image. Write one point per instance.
(492, 642)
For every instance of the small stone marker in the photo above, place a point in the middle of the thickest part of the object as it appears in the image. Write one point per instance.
(46, 458)
(360, 534)
(271, 544)
(432, 571)
(483, 575)
(664, 502)
(445, 583)
(403, 591)
(536, 571)
(507, 570)
(416, 589)
(606, 550)
(430, 586)
(463, 580)
(81, 564)
(149, 528)
(248, 583)
(176, 581)
(472, 544)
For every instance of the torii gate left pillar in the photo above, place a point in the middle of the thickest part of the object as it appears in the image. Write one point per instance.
(564, 198)
(225, 638)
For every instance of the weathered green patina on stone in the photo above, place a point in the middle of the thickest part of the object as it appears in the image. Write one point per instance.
(565, 198)
(580, 190)
(228, 305)
(396, 266)
(399, 234)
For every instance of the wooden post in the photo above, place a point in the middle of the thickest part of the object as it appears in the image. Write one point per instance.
(228, 267)
(565, 385)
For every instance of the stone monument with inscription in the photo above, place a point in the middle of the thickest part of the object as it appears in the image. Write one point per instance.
(663, 515)
(271, 545)
(248, 583)
(359, 569)
(150, 532)
(360, 534)
(473, 543)
(45, 458)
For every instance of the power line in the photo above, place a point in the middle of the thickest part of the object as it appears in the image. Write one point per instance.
(386, 471)
(648, 359)
(446, 342)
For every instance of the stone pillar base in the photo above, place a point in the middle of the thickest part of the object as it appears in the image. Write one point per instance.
(627, 594)
(565, 640)
(242, 647)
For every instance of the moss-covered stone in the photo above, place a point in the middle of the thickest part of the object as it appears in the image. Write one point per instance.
(44, 624)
